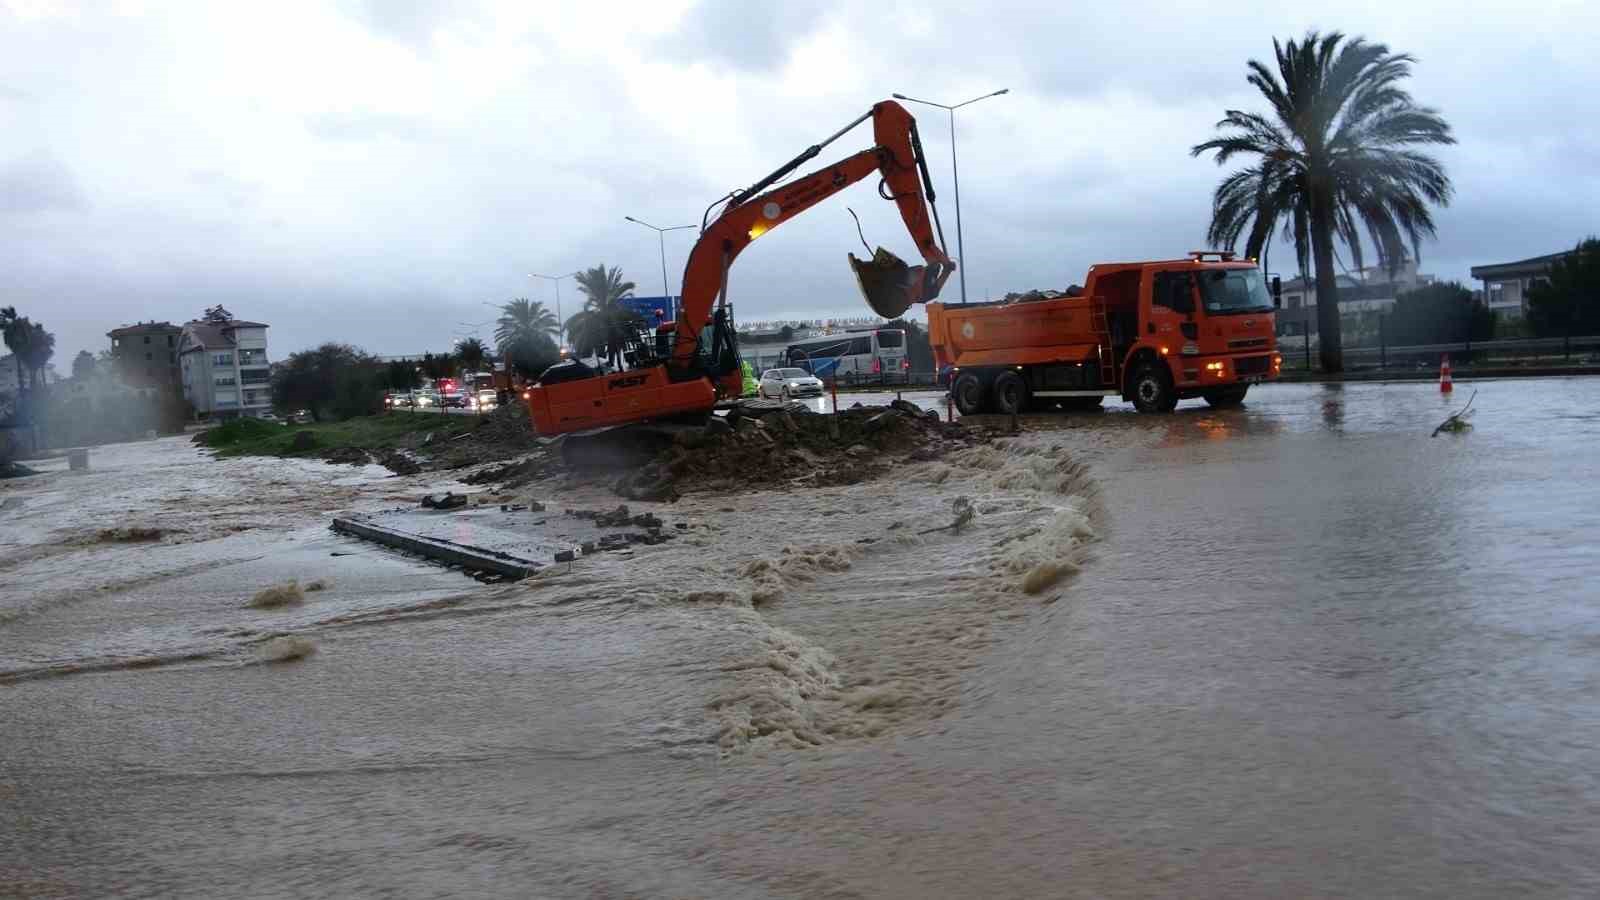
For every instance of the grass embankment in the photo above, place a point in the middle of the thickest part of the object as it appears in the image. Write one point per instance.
(253, 437)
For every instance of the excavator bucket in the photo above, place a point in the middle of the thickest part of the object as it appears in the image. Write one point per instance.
(888, 284)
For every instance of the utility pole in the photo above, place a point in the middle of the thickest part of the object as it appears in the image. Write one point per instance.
(955, 176)
(661, 235)
(561, 323)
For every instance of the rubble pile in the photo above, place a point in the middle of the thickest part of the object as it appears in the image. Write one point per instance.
(1036, 295)
(503, 433)
(769, 448)
(539, 463)
(616, 518)
(353, 456)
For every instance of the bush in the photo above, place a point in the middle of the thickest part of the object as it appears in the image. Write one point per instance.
(235, 431)
(1438, 313)
(334, 379)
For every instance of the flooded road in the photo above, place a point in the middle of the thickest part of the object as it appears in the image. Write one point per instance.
(1295, 649)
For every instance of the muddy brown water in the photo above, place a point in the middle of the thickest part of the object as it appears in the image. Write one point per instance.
(1310, 652)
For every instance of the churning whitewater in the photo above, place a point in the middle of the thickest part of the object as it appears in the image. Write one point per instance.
(798, 618)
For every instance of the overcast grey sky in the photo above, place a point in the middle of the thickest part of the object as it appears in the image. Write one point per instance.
(376, 172)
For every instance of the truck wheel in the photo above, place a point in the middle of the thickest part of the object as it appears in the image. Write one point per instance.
(1010, 393)
(1152, 389)
(1223, 398)
(1081, 404)
(968, 393)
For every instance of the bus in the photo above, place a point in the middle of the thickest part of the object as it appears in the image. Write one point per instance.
(872, 356)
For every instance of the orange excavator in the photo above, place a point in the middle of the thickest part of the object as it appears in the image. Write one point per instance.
(689, 370)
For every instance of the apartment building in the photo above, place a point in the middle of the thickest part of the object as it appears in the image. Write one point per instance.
(224, 366)
(145, 354)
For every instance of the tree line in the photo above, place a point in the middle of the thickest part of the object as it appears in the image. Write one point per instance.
(31, 346)
(338, 381)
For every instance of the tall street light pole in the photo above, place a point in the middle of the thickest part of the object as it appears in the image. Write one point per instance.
(561, 323)
(955, 176)
(661, 235)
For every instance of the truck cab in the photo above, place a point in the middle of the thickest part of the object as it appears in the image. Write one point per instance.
(1149, 332)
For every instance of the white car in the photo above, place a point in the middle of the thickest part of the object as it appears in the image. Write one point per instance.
(786, 383)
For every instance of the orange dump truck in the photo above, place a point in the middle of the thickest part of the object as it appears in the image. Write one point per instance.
(1150, 332)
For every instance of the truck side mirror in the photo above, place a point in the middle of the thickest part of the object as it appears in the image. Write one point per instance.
(1277, 292)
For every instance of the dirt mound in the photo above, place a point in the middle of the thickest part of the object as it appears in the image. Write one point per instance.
(288, 594)
(286, 648)
(783, 448)
(352, 456)
(504, 433)
(399, 463)
(130, 534)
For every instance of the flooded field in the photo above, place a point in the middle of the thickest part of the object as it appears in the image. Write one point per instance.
(1295, 649)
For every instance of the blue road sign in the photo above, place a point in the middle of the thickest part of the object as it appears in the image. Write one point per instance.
(646, 307)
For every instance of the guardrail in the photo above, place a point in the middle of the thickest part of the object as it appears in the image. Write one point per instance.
(1567, 349)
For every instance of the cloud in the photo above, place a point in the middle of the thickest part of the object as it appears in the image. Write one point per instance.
(750, 35)
(413, 22)
(374, 172)
(366, 126)
(38, 183)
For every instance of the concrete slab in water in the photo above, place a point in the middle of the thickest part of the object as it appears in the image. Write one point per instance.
(513, 543)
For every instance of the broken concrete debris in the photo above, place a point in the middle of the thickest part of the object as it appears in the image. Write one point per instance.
(450, 500)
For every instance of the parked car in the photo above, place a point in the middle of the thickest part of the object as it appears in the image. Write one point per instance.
(300, 417)
(269, 417)
(786, 383)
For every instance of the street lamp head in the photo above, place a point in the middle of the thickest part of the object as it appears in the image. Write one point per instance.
(1001, 91)
(900, 96)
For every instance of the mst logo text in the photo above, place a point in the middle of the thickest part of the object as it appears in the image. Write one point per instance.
(627, 381)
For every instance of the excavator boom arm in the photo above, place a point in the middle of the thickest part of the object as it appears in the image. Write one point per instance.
(896, 155)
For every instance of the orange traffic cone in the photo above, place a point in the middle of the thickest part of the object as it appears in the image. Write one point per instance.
(1444, 375)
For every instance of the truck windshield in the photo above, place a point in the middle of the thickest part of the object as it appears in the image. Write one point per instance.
(1234, 291)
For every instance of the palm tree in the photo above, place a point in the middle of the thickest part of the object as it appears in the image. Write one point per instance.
(83, 365)
(15, 330)
(523, 319)
(34, 351)
(471, 352)
(1335, 158)
(599, 325)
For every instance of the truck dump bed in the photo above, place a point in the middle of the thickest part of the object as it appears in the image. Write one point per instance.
(1027, 332)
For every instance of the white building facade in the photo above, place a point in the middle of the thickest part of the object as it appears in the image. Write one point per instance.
(1372, 289)
(224, 366)
(1506, 285)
